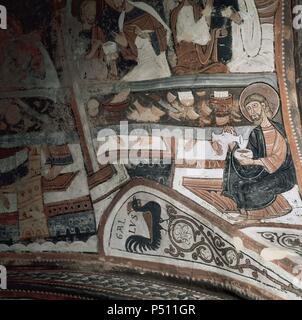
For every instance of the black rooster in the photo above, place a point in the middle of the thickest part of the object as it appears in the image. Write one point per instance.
(152, 216)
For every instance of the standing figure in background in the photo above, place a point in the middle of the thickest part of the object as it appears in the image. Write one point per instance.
(92, 65)
(195, 42)
(143, 37)
(107, 20)
(223, 14)
(253, 41)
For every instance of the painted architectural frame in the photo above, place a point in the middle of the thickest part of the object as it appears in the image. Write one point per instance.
(220, 217)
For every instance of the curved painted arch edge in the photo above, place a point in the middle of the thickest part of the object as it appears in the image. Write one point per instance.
(198, 276)
(286, 74)
(274, 274)
(161, 188)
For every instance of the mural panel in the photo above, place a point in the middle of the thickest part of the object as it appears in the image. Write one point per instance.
(135, 41)
(153, 231)
(147, 131)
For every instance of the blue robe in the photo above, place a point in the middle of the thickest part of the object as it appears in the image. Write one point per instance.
(218, 21)
(252, 187)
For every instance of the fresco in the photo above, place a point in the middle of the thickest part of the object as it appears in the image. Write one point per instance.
(197, 108)
(218, 199)
(135, 41)
(151, 226)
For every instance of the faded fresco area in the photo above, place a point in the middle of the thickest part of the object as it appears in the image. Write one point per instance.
(67, 81)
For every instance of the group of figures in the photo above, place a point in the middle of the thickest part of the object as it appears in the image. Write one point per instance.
(215, 69)
(134, 41)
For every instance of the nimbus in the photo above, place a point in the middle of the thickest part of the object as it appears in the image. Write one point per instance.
(3, 17)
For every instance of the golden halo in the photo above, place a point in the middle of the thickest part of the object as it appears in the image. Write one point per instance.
(270, 94)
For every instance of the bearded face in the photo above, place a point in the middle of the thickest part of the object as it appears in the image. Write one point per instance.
(256, 112)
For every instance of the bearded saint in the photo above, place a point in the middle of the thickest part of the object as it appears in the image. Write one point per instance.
(256, 184)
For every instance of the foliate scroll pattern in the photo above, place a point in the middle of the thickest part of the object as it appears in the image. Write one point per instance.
(190, 239)
(292, 242)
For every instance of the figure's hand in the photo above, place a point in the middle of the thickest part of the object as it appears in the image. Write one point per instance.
(227, 12)
(246, 161)
(221, 33)
(236, 17)
(120, 39)
(232, 14)
(217, 147)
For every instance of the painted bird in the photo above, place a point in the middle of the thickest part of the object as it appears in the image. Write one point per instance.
(152, 215)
